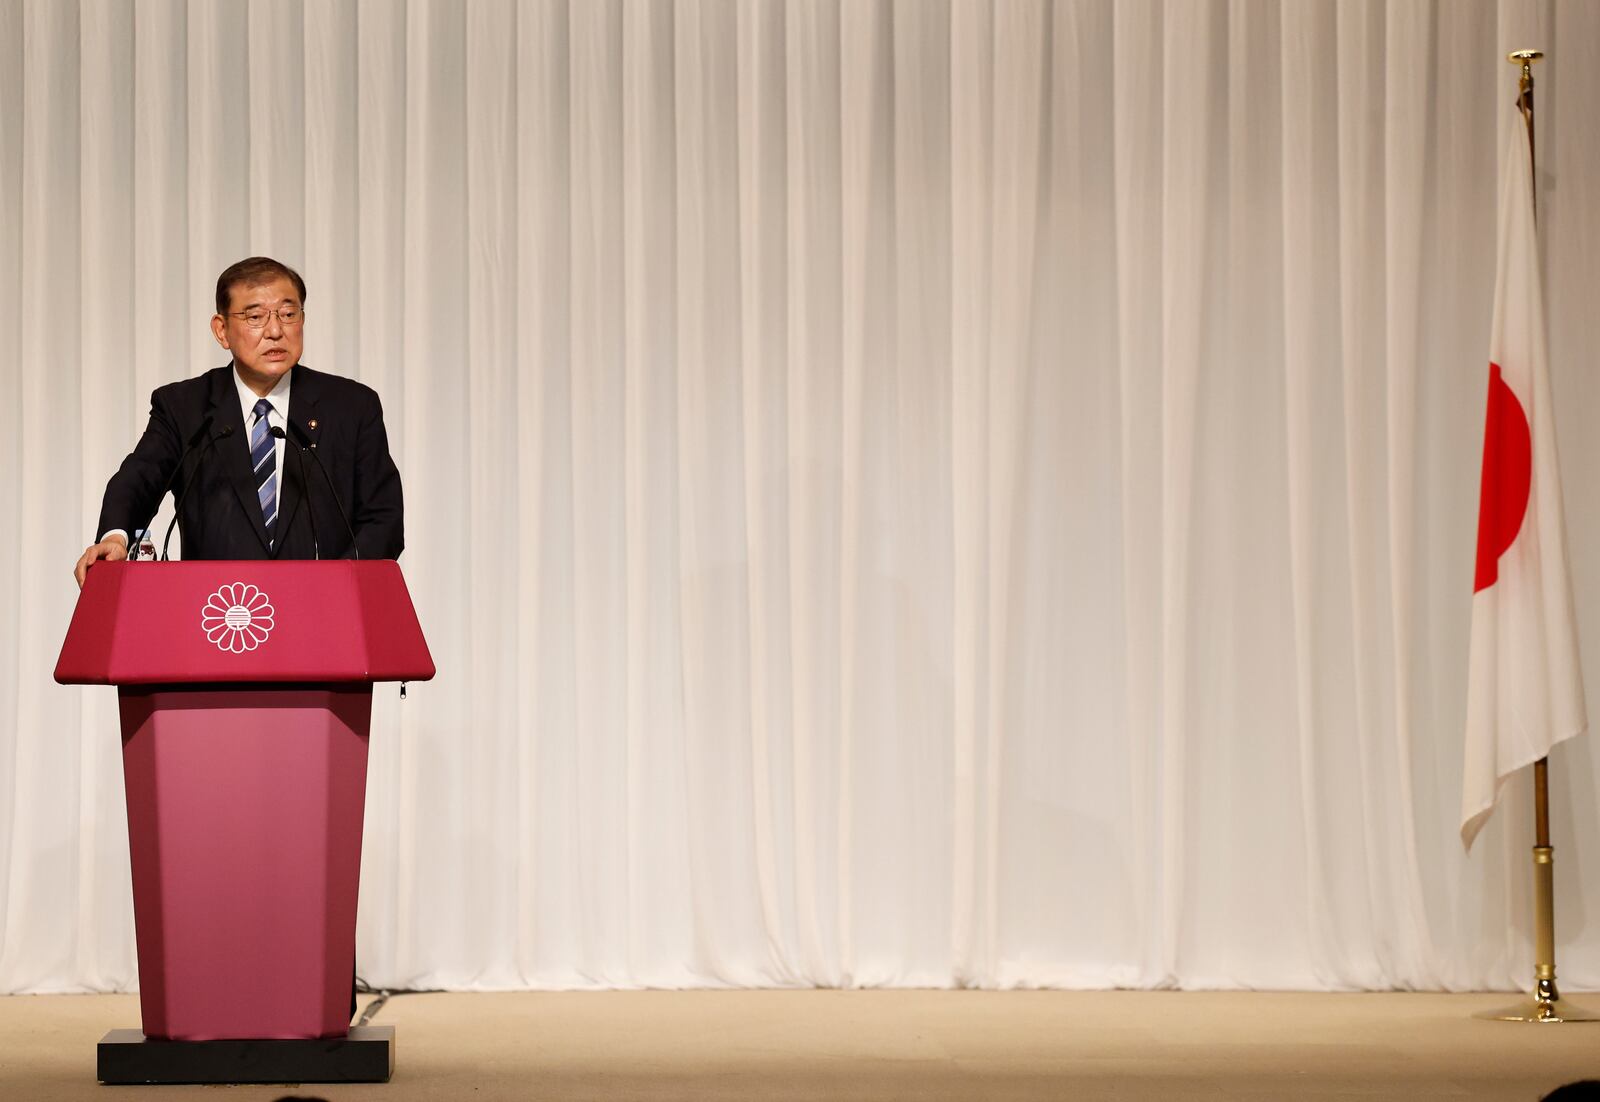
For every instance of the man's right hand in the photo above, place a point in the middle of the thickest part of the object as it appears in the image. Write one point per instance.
(111, 549)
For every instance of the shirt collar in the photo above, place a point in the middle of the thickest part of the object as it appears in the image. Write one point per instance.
(278, 396)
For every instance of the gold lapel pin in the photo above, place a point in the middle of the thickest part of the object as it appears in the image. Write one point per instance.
(312, 423)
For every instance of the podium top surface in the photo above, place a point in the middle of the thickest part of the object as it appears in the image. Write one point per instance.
(173, 623)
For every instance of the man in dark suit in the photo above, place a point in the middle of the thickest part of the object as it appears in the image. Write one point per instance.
(251, 428)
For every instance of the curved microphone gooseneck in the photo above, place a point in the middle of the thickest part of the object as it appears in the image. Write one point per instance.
(307, 446)
(188, 446)
(305, 498)
(177, 506)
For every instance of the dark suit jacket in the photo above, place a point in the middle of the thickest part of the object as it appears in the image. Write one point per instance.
(221, 518)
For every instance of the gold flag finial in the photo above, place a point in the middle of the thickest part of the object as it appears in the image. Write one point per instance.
(1526, 59)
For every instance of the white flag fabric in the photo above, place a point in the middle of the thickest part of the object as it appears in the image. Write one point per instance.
(1525, 686)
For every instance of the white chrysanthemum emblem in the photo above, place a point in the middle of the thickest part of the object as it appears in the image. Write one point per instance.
(237, 618)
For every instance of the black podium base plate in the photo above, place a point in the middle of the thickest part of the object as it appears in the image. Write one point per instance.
(366, 1056)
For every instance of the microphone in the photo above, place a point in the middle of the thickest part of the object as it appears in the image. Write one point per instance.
(307, 447)
(188, 484)
(305, 494)
(188, 446)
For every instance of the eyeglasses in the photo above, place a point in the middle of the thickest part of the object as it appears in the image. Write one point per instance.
(257, 319)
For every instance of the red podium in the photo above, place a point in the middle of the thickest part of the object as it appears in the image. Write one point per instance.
(245, 691)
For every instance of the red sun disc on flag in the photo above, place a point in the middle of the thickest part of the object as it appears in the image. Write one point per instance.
(1507, 476)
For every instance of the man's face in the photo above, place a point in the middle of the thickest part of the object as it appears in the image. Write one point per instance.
(263, 355)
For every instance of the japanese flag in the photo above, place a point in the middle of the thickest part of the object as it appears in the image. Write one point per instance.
(1525, 688)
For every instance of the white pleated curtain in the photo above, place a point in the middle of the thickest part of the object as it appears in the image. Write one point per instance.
(903, 492)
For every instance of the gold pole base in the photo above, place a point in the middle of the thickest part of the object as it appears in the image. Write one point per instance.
(1546, 1005)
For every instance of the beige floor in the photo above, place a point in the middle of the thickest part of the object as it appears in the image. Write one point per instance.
(880, 1044)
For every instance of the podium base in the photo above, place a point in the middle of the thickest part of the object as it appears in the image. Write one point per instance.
(127, 1056)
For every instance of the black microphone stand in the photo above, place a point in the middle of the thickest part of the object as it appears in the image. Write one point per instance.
(188, 446)
(307, 446)
(305, 497)
(188, 484)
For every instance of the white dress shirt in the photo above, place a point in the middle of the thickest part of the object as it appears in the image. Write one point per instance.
(279, 397)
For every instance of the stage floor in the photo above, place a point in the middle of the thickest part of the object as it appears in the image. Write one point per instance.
(882, 1044)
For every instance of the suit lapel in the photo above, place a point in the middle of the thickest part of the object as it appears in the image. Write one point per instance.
(305, 391)
(234, 450)
(290, 493)
(303, 394)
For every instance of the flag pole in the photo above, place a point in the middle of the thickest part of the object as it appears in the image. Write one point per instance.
(1547, 1005)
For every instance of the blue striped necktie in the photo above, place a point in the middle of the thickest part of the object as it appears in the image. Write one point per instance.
(264, 459)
